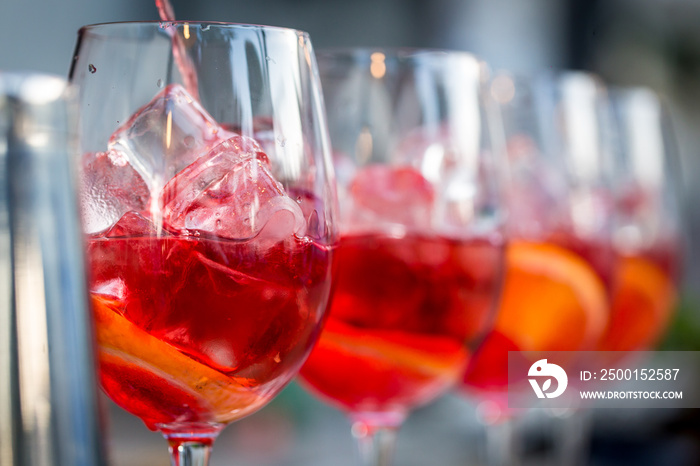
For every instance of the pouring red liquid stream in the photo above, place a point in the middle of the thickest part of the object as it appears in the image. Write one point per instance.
(184, 64)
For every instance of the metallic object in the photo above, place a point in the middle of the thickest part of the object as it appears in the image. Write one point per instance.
(48, 393)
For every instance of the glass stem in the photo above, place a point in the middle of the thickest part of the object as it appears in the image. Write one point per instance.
(500, 444)
(191, 446)
(189, 453)
(376, 442)
(571, 435)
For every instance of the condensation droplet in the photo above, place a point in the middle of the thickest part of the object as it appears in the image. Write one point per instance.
(189, 141)
(246, 220)
(270, 59)
(218, 223)
(92, 68)
(206, 27)
(277, 358)
(160, 83)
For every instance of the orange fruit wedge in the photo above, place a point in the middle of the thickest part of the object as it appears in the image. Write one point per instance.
(128, 350)
(552, 299)
(370, 367)
(425, 355)
(642, 304)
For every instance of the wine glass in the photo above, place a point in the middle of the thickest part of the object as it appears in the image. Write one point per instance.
(559, 260)
(647, 234)
(420, 255)
(208, 205)
(646, 238)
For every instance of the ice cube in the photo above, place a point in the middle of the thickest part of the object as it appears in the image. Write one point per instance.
(114, 288)
(392, 194)
(436, 150)
(536, 195)
(132, 224)
(167, 134)
(110, 187)
(230, 193)
(314, 212)
(263, 132)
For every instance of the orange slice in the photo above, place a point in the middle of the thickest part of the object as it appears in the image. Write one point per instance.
(127, 349)
(365, 367)
(424, 355)
(552, 299)
(643, 301)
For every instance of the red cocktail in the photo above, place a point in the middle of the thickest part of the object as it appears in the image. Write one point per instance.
(209, 256)
(643, 300)
(404, 317)
(553, 300)
(195, 330)
(419, 264)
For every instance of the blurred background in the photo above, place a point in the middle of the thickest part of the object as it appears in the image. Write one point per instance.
(654, 43)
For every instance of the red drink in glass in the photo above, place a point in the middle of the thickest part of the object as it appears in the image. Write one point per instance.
(555, 298)
(210, 258)
(404, 315)
(643, 299)
(197, 330)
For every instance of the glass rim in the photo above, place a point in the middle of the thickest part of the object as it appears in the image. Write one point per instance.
(555, 76)
(399, 52)
(92, 28)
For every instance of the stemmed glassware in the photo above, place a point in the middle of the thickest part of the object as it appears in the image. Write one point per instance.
(208, 201)
(421, 249)
(559, 260)
(647, 243)
(647, 234)
(646, 240)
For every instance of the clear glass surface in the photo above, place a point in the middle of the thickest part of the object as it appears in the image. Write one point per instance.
(208, 202)
(49, 413)
(592, 171)
(560, 258)
(648, 231)
(420, 256)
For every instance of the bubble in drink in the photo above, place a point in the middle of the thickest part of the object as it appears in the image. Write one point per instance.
(230, 193)
(167, 135)
(110, 188)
